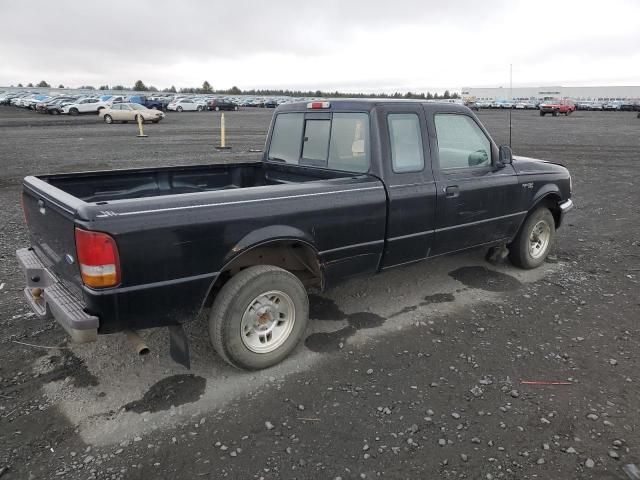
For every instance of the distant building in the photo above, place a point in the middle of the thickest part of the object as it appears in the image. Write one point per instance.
(602, 94)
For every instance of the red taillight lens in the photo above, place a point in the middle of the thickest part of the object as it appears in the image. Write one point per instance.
(98, 259)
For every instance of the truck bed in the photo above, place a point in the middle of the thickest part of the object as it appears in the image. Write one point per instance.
(105, 186)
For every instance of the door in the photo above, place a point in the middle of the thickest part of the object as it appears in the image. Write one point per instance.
(411, 190)
(478, 203)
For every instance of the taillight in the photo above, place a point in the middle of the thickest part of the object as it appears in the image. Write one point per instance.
(98, 259)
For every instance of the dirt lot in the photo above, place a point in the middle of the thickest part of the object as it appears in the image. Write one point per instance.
(416, 373)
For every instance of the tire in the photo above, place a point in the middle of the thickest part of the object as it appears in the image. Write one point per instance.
(73, 111)
(200, 108)
(542, 114)
(179, 109)
(155, 121)
(55, 112)
(108, 119)
(236, 108)
(555, 113)
(139, 118)
(217, 109)
(231, 312)
(522, 251)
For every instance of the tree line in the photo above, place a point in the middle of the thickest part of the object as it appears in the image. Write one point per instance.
(206, 87)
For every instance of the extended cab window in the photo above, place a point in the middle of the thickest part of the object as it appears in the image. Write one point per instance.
(340, 142)
(461, 142)
(406, 142)
(286, 137)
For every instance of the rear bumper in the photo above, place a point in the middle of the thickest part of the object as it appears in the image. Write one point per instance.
(48, 298)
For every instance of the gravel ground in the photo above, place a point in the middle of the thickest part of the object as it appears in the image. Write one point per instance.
(415, 373)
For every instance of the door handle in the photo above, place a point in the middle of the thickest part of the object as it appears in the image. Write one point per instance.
(452, 191)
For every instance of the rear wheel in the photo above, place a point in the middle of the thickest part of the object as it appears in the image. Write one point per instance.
(258, 317)
(200, 108)
(108, 119)
(139, 118)
(73, 111)
(534, 240)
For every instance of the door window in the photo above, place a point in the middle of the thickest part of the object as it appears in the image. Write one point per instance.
(406, 142)
(461, 142)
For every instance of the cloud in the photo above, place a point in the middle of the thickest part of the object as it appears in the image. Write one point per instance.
(354, 45)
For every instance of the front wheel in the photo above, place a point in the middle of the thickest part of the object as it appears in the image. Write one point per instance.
(179, 109)
(74, 111)
(258, 317)
(200, 108)
(534, 240)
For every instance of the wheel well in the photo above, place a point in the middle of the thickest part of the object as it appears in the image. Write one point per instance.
(294, 256)
(552, 202)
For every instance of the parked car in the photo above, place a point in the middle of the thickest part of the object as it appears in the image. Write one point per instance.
(557, 106)
(627, 106)
(129, 112)
(222, 104)
(133, 249)
(611, 106)
(148, 102)
(185, 105)
(84, 105)
(54, 107)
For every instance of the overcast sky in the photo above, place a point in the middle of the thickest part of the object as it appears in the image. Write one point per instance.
(350, 45)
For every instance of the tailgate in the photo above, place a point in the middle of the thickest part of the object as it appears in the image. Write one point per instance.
(50, 215)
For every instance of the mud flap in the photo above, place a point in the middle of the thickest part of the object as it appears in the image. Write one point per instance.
(179, 346)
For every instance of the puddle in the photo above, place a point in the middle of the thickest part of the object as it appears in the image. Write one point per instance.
(174, 390)
(325, 309)
(321, 308)
(66, 364)
(328, 341)
(438, 298)
(484, 279)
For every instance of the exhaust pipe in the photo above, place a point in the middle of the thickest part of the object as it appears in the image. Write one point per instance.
(138, 344)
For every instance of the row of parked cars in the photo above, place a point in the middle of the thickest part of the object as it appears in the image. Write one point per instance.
(619, 105)
(76, 104)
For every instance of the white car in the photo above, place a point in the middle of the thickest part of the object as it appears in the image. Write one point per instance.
(186, 105)
(84, 105)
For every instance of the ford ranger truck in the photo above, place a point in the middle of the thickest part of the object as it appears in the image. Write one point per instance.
(345, 188)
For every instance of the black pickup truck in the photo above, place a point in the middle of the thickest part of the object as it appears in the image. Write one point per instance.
(345, 188)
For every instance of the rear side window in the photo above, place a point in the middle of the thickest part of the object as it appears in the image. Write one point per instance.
(286, 137)
(461, 142)
(406, 142)
(316, 142)
(340, 143)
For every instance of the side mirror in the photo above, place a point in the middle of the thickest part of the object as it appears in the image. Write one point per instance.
(505, 155)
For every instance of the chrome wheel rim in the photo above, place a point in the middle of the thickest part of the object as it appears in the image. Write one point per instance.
(267, 322)
(539, 239)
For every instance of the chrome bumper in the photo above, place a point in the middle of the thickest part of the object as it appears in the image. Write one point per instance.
(566, 206)
(48, 298)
